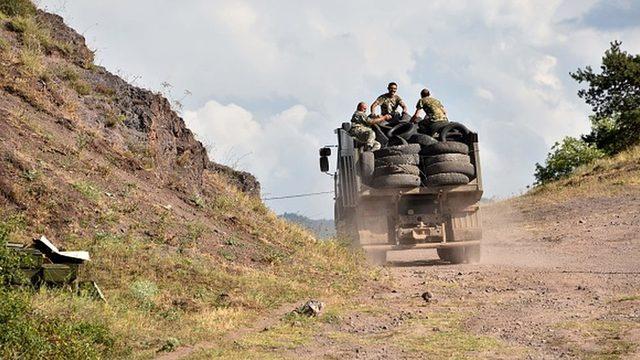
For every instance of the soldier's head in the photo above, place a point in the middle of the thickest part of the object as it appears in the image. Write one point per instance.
(362, 106)
(424, 93)
(392, 87)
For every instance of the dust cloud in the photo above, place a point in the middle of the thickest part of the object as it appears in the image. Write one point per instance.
(508, 239)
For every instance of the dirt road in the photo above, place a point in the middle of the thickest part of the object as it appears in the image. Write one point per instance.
(556, 281)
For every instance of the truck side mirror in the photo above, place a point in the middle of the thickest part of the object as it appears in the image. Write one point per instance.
(324, 164)
(325, 151)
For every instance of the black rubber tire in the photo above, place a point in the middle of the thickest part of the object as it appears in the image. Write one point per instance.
(430, 128)
(367, 165)
(397, 141)
(472, 254)
(446, 179)
(428, 160)
(396, 169)
(456, 136)
(444, 132)
(412, 159)
(396, 181)
(452, 255)
(467, 254)
(397, 150)
(447, 147)
(376, 257)
(403, 130)
(422, 139)
(450, 167)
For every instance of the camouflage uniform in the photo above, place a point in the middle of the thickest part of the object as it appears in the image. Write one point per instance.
(434, 111)
(388, 104)
(361, 130)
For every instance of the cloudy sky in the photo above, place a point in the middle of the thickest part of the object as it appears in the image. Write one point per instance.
(270, 80)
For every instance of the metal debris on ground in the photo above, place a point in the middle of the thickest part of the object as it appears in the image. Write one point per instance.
(310, 308)
(91, 289)
(44, 264)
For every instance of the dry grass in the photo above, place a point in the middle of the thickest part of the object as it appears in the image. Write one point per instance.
(597, 339)
(194, 271)
(440, 334)
(31, 61)
(151, 286)
(35, 35)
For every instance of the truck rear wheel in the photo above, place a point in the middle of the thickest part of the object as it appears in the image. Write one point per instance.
(472, 254)
(459, 255)
(452, 255)
(377, 257)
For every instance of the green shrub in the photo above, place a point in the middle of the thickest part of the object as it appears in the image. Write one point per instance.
(564, 158)
(17, 7)
(9, 260)
(615, 133)
(144, 291)
(24, 334)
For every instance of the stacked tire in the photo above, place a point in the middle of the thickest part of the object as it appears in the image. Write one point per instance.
(446, 163)
(410, 157)
(396, 167)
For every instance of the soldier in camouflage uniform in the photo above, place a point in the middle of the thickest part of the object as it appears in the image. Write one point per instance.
(361, 127)
(435, 114)
(389, 102)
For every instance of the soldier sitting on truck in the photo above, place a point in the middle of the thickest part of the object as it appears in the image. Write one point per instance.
(361, 127)
(435, 114)
(389, 102)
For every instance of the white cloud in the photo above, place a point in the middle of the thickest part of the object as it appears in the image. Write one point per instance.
(280, 150)
(238, 16)
(484, 93)
(544, 72)
(499, 66)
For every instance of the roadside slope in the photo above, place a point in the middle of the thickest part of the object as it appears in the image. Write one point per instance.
(182, 247)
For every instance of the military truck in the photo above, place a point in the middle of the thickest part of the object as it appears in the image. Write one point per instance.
(410, 215)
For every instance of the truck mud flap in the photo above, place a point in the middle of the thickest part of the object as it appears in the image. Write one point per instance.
(465, 225)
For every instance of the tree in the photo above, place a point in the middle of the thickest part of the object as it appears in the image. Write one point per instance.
(564, 158)
(614, 96)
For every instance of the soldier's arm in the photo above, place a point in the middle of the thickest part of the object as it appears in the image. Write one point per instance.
(415, 115)
(373, 107)
(405, 108)
(373, 119)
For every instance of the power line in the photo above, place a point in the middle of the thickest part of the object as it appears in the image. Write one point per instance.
(298, 195)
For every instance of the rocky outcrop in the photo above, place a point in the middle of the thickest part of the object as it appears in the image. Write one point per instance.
(150, 126)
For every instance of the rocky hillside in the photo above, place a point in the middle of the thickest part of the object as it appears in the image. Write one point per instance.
(183, 247)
